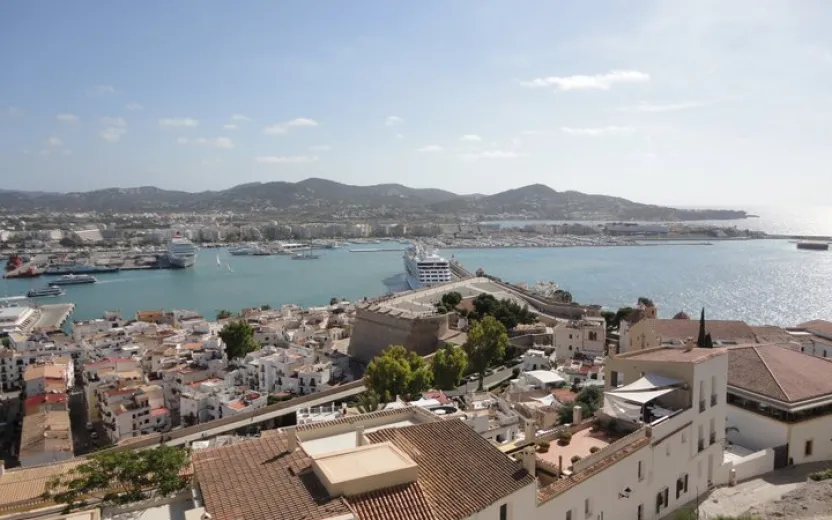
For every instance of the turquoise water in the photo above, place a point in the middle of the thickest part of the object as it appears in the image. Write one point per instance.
(758, 281)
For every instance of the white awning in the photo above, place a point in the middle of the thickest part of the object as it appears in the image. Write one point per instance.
(649, 382)
(545, 376)
(641, 397)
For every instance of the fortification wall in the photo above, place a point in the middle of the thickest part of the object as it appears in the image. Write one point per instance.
(375, 330)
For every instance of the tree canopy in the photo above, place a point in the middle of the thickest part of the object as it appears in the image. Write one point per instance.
(368, 402)
(223, 314)
(238, 337)
(506, 311)
(397, 372)
(487, 341)
(121, 477)
(448, 366)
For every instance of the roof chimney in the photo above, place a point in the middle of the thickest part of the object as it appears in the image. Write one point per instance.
(530, 430)
(529, 459)
(292, 439)
(359, 435)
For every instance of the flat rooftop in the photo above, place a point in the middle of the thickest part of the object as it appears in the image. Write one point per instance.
(581, 444)
(349, 472)
(345, 440)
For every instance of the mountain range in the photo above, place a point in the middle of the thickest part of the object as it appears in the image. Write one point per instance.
(322, 198)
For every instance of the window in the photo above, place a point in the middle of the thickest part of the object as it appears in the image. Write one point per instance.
(593, 336)
(807, 450)
(587, 508)
(661, 500)
(640, 512)
(569, 515)
(681, 485)
(504, 512)
(640, 470)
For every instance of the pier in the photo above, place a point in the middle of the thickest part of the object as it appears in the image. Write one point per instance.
(379, 250)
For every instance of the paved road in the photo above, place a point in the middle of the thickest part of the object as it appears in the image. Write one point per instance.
(77, 420)
(490, 381)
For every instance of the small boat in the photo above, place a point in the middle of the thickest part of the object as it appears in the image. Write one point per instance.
(219, 264)
(74, 279)
(813, 246)
(305, 256)
(49, 290)
(228, 266)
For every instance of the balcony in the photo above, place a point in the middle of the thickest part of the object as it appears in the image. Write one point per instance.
(714, 399)
(702, 405)
(701, 445)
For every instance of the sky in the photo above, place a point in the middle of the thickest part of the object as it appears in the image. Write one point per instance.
(697, 103)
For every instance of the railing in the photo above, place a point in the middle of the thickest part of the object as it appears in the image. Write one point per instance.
(702, 405)
(605, 452)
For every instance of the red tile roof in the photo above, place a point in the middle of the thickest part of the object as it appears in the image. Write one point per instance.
(720, 330)
(261, 480)
(460, 473)
(779, 372)
(404, 502)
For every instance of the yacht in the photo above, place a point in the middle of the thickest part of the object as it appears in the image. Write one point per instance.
(49, 290)
(74, 279)
(304, 256)
(181, 252)
(425, 268)
(250, 250)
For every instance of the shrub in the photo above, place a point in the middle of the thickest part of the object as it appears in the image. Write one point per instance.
(565, 435)
(545, 444)
(575, 458)
(825, 474)
(543, 447)
(594, 449)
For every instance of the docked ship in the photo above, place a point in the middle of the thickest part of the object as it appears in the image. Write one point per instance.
(250, 250)
(79, 269)
(49, 290)
(304, 256)
(181, 252)
(74, 279)
(425, 268)
(814, 246)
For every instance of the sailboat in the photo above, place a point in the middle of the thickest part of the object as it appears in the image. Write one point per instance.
(219, 264)
(228, 266)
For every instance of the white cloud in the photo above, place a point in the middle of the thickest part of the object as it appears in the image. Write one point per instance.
(54, 141)
(430, 148)
(102, 89)
(67, 118)
(600, 131)
(217, 142)
(134, 106)
(115, 128)
(492, 154)
(179, 122)
(320, 148)
(399, 136)
(393, 121)
(470, 138)
(669, 107)
(231, 126)
(302, 121)
(596, 82)
(240, 117)
(286, 159)
(283, 128)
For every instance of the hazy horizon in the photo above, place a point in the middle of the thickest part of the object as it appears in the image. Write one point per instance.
(707, 104)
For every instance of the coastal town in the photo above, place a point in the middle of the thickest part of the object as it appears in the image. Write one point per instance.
(472, 397)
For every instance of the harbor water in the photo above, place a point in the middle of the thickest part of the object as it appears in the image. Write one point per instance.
(760, 281)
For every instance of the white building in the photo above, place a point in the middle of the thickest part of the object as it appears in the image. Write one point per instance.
(587, 337)
(55, 376)
(133, 411)
(780, 399)
(534, 359)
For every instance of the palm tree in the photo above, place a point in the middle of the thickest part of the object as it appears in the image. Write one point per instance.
(368, 402)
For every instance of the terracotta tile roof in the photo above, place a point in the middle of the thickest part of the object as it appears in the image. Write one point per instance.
(771, 334)
(720, 330)
(354, 419)
(562, 485)
(460, 473)
(260, 480)
(404, 502)
(674, 354)
(817, 327)
(26, 486)
(779, 372)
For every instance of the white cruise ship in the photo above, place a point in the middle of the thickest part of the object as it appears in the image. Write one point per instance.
(425, 268)
(181, 252)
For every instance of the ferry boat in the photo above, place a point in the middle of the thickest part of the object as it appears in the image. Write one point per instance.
(49, 290)
(814, 246)
(250, 250)
(74, 279)
(181, 252)
(425, 268)
(304, 256)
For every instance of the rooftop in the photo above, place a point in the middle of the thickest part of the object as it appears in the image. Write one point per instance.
(817, 327)
(779, 372)
(581, 443)
(720, 330)
(26, 486)
(673, 354)
(350, 472)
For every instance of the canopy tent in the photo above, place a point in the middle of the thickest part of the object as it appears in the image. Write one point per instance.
(648, 382)
(627, 401)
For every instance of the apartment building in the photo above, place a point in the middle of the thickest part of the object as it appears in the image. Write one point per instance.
(586, 337)
(121, 372)
(27, 350)
(55, 376)
(297, 370)
(45, 437)
(780, 401)
(652, 333)
(212, 399)
(132, 411)
(669, 405)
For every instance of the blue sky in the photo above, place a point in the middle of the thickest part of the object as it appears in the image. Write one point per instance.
(690, 103)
